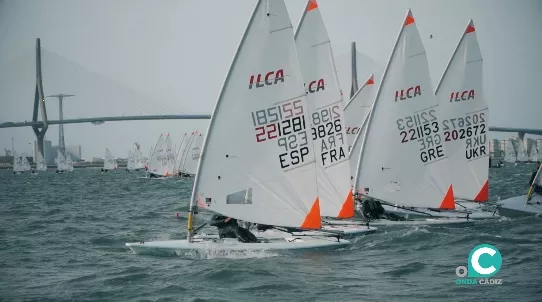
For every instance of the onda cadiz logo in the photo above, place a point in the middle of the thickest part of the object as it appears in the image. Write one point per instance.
(484, 261)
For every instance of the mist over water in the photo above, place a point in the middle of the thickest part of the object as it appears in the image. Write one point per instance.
(62, 239)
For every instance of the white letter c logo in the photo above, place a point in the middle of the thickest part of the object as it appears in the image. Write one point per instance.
(476, 265)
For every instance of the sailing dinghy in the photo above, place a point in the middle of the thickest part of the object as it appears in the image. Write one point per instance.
(158, 163)
(327, 120)
(258, 162)
(180, 153)
(18, 166)
(189, 163)
(356, 112)
(60, 161)
(509, 152)
(109, 162)
(524, 205)
(40, 164)
(464, 113)
(403, 159)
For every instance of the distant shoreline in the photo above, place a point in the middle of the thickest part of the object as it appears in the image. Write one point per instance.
(75, 166)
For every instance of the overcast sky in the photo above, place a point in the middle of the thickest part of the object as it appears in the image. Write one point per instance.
(171, 56)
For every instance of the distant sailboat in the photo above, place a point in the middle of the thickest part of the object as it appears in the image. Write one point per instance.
(40, 163)
(509, 152)
(533, 155)
(521, 152)
(158, 163)
(109, 162)
(69, 162)
(180, 154)
(191, 157)
(18, 166)
(130, 164)
(60, 161)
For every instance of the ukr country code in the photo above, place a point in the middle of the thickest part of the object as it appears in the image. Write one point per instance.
(423, 128)
(472, 128)
(327, 134)
(284, 123)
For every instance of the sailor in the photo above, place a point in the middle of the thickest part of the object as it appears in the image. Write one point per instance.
(537, 188)
(152, 175)
(228, 228)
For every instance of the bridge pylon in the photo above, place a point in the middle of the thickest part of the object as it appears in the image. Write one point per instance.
(39, 103)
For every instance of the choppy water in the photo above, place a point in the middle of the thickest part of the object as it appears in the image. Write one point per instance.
(62, 239)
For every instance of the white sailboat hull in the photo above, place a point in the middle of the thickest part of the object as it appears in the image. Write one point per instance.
(426, 221)
(448, 214)
(516, 207)
(290, 243)
(345, 231)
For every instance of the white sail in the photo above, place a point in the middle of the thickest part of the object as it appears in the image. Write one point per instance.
(539, 144)
(17, 162)
(533, 155)
(170, 156)
(69, 162)
(356, 114)
(464, 114)
(403, 159)
(40, 163)
(326, 111)
(258, 161)
(60, 161)
(130, 163)
(180, 154)
(139, 161)
(109, 161)
(521, 150)
(193, 152)
(158, 162)
(357, 110)
(509, 151)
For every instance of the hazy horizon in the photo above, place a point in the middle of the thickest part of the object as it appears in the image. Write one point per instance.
(140, 57)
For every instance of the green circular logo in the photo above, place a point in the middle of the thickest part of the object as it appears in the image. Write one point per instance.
(484, 260)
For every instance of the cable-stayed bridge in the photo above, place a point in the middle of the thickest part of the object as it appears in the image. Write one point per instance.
(32, 73)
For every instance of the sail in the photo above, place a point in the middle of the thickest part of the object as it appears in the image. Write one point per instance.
(356, 114)
(60, 161)
(533, 155)
(40, 163)
(357, 110)
(69, 162)
(539, 144)
(158, 161)
(258, 161)
(17, 162)
(193, 153)
(464, 114)
(139, 161)
(170, 156)
(326, 111)
(130, 163)
(403, 159)
(521, 152)
(109, 161)
(509, 152)
(180, 154)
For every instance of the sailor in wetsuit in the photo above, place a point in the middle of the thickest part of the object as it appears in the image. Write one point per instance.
(228, 228)
(152, 175)
(537, 188)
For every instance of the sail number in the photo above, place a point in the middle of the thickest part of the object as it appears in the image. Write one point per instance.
(328, 136)
(423, 128)
(473, 129)
(286, 124)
